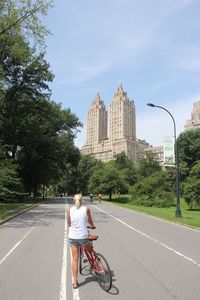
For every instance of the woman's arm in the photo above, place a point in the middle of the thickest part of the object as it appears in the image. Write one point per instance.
(68, 217)
(90, 221)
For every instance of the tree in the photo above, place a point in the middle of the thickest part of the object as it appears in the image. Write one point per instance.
(191, 187)
(148, 165)
(86, 167)
(68, 183)
(189, 150)
(170, 173)
(153, 190)
(38, 133)
(48, 148)
(23, 77)
(107, 180)
(25, 94)
(121, 160)
(23, 16)
(10, 183)
(127, 168)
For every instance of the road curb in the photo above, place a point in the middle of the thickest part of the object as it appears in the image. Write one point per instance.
(20, 213)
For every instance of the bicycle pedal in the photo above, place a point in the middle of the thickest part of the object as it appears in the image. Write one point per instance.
(85, 261)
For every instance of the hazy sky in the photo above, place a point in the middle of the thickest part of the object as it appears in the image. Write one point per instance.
(151, 47)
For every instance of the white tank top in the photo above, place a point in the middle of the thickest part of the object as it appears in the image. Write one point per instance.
(79, 221)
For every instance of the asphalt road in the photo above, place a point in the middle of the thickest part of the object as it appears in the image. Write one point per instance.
(150, 259)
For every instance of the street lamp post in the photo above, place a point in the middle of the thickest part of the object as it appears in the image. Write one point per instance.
(178, 210)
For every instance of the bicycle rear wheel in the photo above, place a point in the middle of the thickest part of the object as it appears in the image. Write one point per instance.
(102, 272)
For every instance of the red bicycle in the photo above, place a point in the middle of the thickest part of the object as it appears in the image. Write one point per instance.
(90, 261)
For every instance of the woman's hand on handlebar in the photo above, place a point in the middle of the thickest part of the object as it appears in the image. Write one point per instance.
(91, 227)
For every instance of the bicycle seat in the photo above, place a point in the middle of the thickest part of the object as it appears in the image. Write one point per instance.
(92, 237)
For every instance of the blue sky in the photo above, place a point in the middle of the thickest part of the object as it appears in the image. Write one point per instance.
(151, 47)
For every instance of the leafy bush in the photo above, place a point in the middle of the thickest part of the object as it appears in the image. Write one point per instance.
(154, 190)
(191, 187)
(10, 183)
(189, 150)
(163, 199)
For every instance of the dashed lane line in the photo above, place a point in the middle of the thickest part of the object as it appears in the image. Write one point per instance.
(19, 242)
(63, 294)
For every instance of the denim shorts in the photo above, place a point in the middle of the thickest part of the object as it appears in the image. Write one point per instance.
(78, 242)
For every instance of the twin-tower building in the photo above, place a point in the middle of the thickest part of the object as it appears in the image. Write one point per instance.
(113, 132)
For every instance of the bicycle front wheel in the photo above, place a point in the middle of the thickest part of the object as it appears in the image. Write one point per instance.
(102, 272)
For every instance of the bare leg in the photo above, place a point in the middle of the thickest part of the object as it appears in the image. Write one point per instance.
(75, 252)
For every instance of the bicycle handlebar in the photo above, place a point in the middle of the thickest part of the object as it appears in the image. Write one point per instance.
(90, 227)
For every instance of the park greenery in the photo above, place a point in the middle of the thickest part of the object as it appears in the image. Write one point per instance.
(36, 134)
(38, 156)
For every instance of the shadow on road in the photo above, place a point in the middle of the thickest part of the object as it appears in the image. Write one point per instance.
(47, 213)
(44, 215)
(113, 291)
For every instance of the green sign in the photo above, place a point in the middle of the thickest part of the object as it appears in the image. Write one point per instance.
(168, 149)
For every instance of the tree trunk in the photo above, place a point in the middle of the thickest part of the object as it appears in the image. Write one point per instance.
(35, 191)
(43, 191)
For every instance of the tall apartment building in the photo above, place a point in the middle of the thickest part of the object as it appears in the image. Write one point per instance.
(194, 122)
(113, 132)
(96, 122)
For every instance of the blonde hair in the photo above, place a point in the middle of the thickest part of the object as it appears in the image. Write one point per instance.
(78, 200)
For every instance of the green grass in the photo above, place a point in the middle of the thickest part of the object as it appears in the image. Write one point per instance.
(189, 217)
(10, 208)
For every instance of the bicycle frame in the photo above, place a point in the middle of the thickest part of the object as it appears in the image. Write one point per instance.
(91, 256)
(97, 263)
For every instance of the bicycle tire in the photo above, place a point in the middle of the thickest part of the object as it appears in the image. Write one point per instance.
(104, 276)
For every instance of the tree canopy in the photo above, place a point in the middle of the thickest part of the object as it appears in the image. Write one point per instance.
(191, 187)
(148, 165)
(24, 16)
(36, 134)
(107, 180)
(189, 150)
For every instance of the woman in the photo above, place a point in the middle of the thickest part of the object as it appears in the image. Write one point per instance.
(78, 218)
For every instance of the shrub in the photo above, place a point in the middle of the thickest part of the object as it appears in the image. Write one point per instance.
(191, 187)
(153, 191)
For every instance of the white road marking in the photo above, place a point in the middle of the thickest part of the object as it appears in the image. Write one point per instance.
(162, 220)
(63, 294)
(18, 243)
(152, 239)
